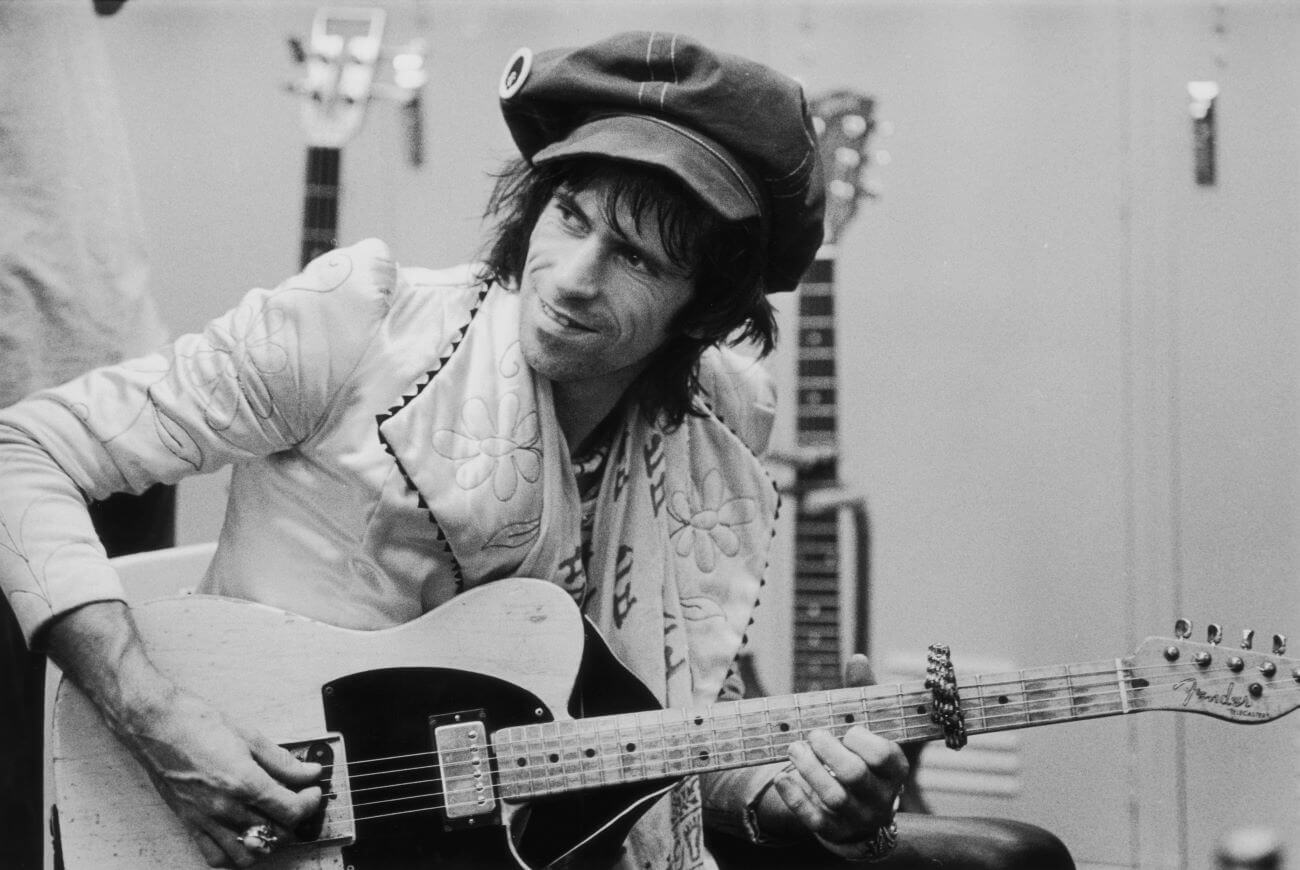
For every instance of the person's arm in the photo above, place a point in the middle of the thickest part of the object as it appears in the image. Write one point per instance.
(218, 778)
(254, 382)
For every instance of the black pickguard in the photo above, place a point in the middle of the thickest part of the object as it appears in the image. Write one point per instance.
(384, 714)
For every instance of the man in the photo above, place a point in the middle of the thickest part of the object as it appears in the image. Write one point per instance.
(562, 410)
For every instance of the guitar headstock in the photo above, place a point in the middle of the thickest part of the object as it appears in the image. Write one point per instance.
(1240, 684)
(844, 121)
(341, 73)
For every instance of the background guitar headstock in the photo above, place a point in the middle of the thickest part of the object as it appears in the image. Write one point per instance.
(341, 75)
(1239, 684)
(844, 121)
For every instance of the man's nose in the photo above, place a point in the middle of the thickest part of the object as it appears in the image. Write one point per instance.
(578, 269)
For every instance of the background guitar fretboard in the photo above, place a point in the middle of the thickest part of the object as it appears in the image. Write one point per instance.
(320, 205)
(844, 124)
(817, 619)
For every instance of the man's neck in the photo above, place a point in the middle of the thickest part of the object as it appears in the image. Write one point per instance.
(580, 409)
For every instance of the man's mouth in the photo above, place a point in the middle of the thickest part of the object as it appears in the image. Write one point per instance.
(563, 319)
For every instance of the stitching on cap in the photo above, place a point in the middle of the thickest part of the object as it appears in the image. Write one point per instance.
(740, 176)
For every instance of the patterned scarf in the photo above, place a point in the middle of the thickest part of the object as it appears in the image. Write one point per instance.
(684, 521)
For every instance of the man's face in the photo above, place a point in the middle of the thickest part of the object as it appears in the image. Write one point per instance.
(596, 303)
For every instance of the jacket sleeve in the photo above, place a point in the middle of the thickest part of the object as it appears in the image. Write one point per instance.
(255, 381)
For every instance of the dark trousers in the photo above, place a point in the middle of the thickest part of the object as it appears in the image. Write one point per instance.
(925, 842)
(126, 524)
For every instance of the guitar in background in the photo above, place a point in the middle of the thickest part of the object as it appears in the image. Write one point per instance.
(340, 64)
(844, 122)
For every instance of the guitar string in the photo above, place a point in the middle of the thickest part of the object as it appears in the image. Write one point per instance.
(903, 698)
(1015, 712)
(570, 776)
(883, 703)
(593, 761)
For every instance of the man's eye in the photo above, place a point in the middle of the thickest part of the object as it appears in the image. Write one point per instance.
(568, 213)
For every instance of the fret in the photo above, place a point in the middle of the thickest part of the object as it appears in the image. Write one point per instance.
(676, 750)
(821, 368)
(818, 351)
(609, 754)
(902, 716)
(727, 730)
(571, 770)
(630, 748)
(650, 723)
(699, 741)
(1043, 702)
(756, 736)
(816, 423)
(1094, 694)
(815, 712)
(819, 531)
(586, 752)
(815, 303)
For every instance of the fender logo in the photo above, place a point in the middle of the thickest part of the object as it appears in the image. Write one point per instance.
(1236, 703)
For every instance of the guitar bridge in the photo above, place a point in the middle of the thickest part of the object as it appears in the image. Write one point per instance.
(464, 764)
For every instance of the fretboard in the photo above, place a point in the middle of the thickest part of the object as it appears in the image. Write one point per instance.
(320, 207)
(557, 757)
(817, 626)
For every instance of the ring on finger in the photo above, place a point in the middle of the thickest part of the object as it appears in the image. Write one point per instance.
(259, 839)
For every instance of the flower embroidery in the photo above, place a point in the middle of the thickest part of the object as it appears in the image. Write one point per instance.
(707, 521)
(503, 449)
(242, 360)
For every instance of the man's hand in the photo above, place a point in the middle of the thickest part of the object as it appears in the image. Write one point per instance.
(219, 778)
(841, 790)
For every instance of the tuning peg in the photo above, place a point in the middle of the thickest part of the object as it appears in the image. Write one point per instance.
(1183, 628)
(1279, 644)
(1214, 633)
(854, 126)
(1248, 639)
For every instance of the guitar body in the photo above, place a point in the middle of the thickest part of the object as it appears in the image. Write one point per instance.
(515, 651)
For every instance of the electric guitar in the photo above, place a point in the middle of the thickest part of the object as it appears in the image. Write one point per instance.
(844, 122)
(499, 731)
(339, 82)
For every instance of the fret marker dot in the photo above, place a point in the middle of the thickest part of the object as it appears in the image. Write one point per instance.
(631, 747)
(522, 762)
(590, 752)
(553, 757)
(784, 726)
(920, 709)
(699, 720)
(704, 755)
(1003, 699)
(848, 718)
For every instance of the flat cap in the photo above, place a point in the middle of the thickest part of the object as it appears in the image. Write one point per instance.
(736, 132)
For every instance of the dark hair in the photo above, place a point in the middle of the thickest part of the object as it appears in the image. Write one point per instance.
(724, 259)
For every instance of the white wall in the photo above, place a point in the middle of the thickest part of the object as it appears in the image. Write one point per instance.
(1069, 374)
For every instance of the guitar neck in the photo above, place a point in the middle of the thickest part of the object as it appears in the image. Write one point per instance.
(320, 208)
(556, 757)
(817, 624)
